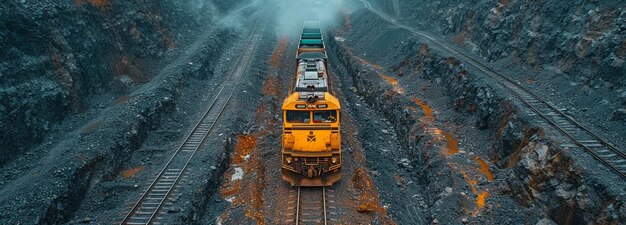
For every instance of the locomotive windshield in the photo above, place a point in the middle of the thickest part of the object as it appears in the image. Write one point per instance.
(298, 116)
(326, 116)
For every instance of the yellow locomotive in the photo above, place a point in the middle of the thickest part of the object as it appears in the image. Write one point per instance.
(311, 145)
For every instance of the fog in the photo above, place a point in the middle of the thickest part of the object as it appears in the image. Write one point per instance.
(289, 15)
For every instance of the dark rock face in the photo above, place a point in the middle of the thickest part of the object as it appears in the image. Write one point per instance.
(379, 95)
(584, 40)
(539, 174)
(544, 174)
(54, 54)
(99, 152)
(103, 164)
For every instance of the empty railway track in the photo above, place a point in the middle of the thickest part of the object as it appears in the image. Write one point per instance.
(147, 209)
(308, 205)
(579, 135)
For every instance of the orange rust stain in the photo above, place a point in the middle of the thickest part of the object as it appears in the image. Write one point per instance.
(481, 196)
(472, 183)
(275, 59)
(272, 86)
(251, 198)
(453, 147)
(361, 180)
(389, 79)
(245, 145)
(365, 193)
(126, 174)
(229, 191)
(365, 62)
(428, 112)
(368, 201)
(484, 168)
(394, 82)
(480, 200)
(256, 188)
(436, 133)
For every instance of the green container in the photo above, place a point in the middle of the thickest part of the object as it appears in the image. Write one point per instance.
(311, 36)
(311, 30)
(311, 42)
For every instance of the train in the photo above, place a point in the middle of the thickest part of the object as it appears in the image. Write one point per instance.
(311, 129)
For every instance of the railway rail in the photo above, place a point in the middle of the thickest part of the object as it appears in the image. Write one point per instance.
(308, 205)
(579, 135)
(147, 208)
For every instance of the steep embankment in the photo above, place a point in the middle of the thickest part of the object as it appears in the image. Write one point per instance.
(531, 178)
(55, 54)
(49, 186)
(571, 52)
(584, 38)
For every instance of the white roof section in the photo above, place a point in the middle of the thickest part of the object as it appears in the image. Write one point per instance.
(312, 79)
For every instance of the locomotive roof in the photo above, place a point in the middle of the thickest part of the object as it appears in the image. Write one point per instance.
(294, 98)
(311, 78)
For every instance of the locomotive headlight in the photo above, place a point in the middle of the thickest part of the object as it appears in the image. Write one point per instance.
(322, 106)
(300, 106)
(334, 160)
(288, 159)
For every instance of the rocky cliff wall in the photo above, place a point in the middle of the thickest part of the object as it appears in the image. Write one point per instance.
(55, 54)
(584, 40)
(543, 178)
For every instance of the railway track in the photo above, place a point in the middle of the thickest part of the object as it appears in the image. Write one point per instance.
(579, 135)
(308, 205)
(148, 207)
